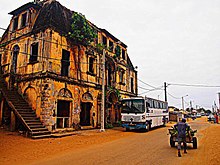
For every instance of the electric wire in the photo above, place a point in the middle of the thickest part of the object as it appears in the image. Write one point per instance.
(147, 84)
(195, 85)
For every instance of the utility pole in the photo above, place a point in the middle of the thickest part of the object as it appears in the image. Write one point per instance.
(191, 106)
(103, 94)
(182, 104)
(219, 102)
(165, 91)
(183, 101)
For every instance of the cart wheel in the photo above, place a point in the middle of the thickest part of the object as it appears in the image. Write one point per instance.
(172, 143)
(194, 142)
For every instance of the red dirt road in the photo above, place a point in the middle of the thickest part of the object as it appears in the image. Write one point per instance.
(114, 146)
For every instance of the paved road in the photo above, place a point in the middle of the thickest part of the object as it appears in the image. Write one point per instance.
(139, 148)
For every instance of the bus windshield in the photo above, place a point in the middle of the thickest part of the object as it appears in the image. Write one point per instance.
(133, 106)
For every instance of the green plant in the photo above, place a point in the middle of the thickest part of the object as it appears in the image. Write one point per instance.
(81, 33)
(119, 123)
(108, 125)
(118, 51)
(100, 48)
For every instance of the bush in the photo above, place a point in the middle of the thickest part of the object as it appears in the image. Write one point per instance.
(108, 125)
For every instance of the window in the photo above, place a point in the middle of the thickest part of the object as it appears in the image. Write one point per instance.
(104, 40)
(34, 52)
(15, 24)
(65, 63)
(121, 77)
(132, 85)
(23, 20)
(111, 46)
(123, 54)
(91, 65)
(133, 106)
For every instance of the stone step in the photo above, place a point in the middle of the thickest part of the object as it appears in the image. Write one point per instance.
(28, 115)
(40, 130)
(36, 126)
(41, 136)
(17, 101)
(34, 123)
(29, 118)
(26, 112)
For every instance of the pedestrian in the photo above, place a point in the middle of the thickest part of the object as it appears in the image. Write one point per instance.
(216, 118)
(181, 127)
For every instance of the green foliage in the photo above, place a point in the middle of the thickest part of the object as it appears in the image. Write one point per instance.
(81, 33)
(100, 48)
(108, 125)
(118, 51)
(119, 123)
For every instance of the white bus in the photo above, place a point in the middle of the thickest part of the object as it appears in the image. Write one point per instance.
(143, 113)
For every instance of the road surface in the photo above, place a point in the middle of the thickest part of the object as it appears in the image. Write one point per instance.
(117, 147)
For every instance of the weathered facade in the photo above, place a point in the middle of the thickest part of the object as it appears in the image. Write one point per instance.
(62, 81)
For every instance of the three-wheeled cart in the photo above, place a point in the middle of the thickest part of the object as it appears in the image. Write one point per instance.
(190, 137)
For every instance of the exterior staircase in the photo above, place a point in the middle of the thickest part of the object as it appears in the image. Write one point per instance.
(35, 129)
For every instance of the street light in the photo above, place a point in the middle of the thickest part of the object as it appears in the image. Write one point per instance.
(183, 101)
(103, 94)
(103, 91)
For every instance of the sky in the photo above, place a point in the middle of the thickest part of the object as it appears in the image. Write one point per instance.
(172, 41)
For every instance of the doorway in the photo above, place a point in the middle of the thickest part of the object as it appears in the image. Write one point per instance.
(63, 114)
(15, 58)
(85, 114)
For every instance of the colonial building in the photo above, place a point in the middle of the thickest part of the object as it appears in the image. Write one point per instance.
(60, 81)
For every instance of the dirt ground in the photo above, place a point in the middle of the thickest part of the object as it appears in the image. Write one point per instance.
(15, 149)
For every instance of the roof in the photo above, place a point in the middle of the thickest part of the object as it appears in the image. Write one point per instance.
(25, 7)
(53, 14)
(113, 37)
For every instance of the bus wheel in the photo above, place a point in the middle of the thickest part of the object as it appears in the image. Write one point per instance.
(127, 129)
(148, 127)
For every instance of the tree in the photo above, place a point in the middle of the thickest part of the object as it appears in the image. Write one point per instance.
(81, 33)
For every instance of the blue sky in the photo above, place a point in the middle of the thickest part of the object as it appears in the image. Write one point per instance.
(173, 41)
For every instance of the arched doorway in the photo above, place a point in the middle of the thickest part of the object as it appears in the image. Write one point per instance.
(86, 106)
(113, 113)
(64, 109)
(30, 95)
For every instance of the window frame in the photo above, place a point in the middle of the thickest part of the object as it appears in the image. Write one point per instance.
(122, 76)
(23, 19)
(34, 57)
(15, 22)
(65, 63)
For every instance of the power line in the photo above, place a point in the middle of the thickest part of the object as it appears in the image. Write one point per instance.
(147, 84)
(195, 85)
(34, 37)
(50, 58)
(143, 88)
(152, 90)
(48, 42)
(173, 96)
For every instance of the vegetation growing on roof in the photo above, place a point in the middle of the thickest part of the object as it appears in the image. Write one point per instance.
(81, 33)
(118, 51)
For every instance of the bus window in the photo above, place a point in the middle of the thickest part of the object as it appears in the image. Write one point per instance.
(147, 107)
